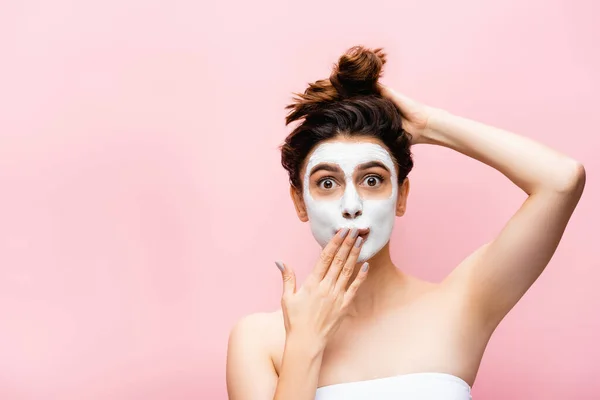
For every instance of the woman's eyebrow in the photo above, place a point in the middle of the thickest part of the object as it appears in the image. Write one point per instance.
(372, 164)
(325, 167)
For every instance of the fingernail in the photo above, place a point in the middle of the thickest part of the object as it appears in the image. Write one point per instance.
(358, 242)
(365, 267)
(279, 265)
(354, 233)
(343, 233)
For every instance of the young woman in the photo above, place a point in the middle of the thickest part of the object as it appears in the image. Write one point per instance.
(359, 327)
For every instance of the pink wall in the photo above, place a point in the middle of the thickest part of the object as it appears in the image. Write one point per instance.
(142, 202)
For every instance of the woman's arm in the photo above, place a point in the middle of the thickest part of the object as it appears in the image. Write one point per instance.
(300, 369)
(532, 166)
(498, 274)
(311, 316)
(250, 371)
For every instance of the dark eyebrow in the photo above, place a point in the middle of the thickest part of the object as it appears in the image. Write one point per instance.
(325, 167)
(372, 164)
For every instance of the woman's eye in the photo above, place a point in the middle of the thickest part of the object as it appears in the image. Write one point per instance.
(326, 184)
(373, 180)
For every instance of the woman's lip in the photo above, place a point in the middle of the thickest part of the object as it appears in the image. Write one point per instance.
(364, 232)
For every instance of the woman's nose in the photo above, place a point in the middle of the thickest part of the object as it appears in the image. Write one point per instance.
(351, 214)
(351, 203)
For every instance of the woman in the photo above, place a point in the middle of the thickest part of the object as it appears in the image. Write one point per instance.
(358, 327)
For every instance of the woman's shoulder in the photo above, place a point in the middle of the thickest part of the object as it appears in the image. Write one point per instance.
(260, 322)
(264, 331)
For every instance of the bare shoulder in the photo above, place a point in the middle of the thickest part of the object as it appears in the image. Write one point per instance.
(251, 372)
(261, 331)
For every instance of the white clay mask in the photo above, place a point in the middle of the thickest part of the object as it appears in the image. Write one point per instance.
(327, 216)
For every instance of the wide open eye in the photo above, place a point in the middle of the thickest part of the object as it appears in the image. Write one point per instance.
(327, 183)
(373, 180)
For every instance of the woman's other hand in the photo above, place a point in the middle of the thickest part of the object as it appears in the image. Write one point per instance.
(415, 116)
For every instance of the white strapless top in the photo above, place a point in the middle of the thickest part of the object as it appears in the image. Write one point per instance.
(414, 386)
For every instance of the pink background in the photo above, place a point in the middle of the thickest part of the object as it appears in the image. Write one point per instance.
(142, 201)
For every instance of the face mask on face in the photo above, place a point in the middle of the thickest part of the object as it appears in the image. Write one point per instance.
(327, 216)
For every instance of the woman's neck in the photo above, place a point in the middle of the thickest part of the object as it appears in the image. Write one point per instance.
(384, 287)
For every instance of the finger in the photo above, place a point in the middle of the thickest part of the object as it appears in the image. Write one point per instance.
(327, 255)
(385, 91)
(392, 94)
(360, 278)
(348, 268)
(403, 99)
(289, 278)
(340, 257)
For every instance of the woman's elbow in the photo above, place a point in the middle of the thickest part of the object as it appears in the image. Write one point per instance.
(573, 179)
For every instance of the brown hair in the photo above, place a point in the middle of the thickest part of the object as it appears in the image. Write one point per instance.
(348, 103)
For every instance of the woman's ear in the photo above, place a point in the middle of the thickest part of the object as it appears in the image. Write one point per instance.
(402, 196)
(299, 204)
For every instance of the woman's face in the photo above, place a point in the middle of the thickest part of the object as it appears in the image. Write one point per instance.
(351, 183)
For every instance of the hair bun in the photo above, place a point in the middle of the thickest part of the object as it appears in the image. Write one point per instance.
(358, 71)
(355, 74)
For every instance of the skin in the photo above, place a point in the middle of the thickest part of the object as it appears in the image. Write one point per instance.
(384, 322)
